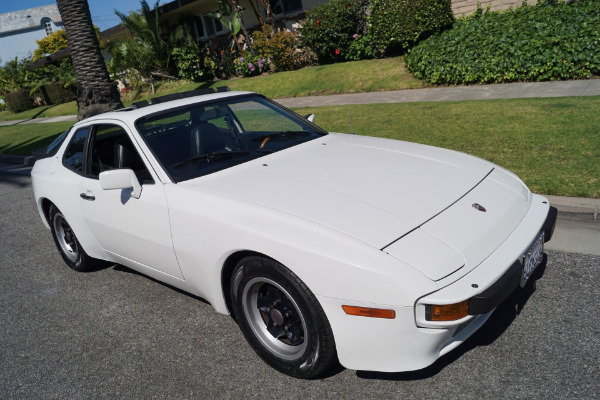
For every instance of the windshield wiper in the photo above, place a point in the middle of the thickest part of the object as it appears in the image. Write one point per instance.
(283, 134)
(218, 155)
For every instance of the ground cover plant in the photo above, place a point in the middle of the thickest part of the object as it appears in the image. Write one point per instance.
(552, 143)
(397, 25)
(549, 41)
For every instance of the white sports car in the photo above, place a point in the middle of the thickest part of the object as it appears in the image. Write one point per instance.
(384, 253)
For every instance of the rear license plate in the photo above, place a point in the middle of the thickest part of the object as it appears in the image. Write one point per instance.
(532, 258)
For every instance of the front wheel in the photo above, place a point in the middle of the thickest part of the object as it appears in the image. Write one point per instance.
(281, 319)
(68, 246)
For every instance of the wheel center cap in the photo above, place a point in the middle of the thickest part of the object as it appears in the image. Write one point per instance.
(276, 316)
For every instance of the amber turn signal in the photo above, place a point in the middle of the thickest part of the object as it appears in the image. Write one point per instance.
(447, 312)
(369, 312)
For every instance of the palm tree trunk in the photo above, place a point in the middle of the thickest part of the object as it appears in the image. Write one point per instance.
(96, 93)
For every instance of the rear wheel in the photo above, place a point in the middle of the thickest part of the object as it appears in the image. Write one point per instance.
(281, 319)
(68, 246)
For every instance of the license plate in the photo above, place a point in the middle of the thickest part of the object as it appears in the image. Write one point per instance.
(532, 258)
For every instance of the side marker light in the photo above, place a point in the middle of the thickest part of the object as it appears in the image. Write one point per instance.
(369, 312)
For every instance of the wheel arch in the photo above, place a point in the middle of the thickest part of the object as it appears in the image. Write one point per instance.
(45, 205)
(227, 272)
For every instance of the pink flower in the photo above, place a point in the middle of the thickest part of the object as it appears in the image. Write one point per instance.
(355, 36)
(252, 69)
(242, 59)
(251, 66)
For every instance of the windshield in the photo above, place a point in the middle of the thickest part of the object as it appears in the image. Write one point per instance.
(207, 137)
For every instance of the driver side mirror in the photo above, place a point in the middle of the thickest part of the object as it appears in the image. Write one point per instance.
(121, 179)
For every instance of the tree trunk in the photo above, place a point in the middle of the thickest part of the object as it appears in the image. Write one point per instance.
(96, 92)
(270, 16)
(238, 11)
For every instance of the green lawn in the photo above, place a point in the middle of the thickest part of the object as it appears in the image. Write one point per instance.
(349, 77)
(552, 144)
(23, 139)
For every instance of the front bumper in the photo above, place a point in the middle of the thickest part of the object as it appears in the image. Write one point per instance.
(400, 344)
(490, 298)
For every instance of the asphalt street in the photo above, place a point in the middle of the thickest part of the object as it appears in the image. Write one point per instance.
(116, 334)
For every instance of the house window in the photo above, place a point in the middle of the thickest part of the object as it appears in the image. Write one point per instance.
(280, 7)
(47, 24)
(212, 25)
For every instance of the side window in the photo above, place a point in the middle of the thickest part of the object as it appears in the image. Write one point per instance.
(111, 148)
(73, 157)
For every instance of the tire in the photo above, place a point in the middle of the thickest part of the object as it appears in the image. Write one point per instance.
(281, 319)
(68, 246)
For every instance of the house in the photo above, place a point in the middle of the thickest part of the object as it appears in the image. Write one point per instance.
(19, 30)
(468, 7)
(194, 14)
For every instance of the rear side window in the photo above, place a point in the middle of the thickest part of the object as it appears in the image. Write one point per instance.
(73, 158)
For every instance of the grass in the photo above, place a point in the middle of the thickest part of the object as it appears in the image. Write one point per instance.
(552, 144)
(69, 108)
(349, 77)
(23, 139)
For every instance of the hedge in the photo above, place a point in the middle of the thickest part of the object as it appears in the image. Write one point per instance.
(19, 101)
(397, 25)
(330, 28)
(57, 94)
(548, 41)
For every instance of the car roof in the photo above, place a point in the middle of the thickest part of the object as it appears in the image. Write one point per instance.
(131, 114)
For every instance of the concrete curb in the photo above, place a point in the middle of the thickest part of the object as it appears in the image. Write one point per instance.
(576, 208)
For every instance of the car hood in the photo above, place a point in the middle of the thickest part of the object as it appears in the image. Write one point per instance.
(375, 190)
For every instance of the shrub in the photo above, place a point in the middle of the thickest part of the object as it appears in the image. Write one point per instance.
(281, 48)
(58, 94)
(549, 41)
(329, 28)
(250, 65)
(397, 25)
(50, 44)
(19, 101)
(191, 63)
(361, 48)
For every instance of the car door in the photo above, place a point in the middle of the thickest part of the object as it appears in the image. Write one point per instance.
(135, 231)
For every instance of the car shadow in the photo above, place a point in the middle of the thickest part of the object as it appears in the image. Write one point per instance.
(491, 330)
(14, 179)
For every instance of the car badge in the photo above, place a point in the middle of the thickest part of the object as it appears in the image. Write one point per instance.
(478, 207)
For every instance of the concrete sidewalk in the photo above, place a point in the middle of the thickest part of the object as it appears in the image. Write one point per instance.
(518, 90)
(61, 118)
(590, 87)
(569, 207)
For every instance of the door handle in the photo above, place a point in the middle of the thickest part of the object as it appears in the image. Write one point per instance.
(86, 197)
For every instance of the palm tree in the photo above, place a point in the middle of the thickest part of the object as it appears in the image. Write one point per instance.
(145, 30)
(96, 93)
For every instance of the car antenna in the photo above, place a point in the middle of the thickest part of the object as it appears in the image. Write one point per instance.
(350, 117)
